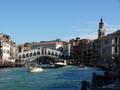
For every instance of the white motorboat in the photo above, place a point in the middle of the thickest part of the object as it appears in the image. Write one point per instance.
(81, 65)
(60, 64)
(35, 68)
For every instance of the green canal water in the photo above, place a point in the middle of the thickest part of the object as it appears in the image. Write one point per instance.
(66, 78)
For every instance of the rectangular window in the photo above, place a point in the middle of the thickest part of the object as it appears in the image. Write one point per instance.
(115, 49)
(106, 41)
(116, 40)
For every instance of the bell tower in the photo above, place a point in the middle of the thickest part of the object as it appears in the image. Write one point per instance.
(101, 30)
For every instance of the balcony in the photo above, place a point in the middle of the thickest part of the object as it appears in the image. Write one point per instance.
(115, 43)
(115, 54)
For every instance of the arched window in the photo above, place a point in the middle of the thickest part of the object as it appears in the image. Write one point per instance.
(38, 53)
(60, 55)
(55, 54)
(19, 56)
(49, 52)
(52, 53)
(23, 55)
(27, 55)
(34, 53)
(30, 54)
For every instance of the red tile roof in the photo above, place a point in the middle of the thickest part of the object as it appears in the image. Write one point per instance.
(45, 42)
(114, 33)
(48, 42)
(6, 35)
(20, 45)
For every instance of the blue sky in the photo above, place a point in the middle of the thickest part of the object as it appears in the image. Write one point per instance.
(45, 20)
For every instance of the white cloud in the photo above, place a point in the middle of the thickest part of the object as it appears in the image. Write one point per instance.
(73, 27)
(91, 36)
(91, 23)
(110, 29)
(108, 25)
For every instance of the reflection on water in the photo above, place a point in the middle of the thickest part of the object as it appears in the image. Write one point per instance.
(66, 78)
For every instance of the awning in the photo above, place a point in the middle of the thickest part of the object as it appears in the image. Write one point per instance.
(0, 49)
(4, 61)
(27, 60)
(12, 60)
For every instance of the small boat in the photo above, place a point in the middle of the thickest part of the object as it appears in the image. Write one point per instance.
(60, 64)
(108, 79)
(81, 66)
(51, 64)
(34, 68)
(113, 86)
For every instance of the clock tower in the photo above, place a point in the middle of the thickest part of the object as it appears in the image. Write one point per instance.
(101, 30)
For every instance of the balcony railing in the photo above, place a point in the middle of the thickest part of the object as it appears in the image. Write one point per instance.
(115, 43)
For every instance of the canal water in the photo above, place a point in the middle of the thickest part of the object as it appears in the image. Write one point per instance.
(66, 78)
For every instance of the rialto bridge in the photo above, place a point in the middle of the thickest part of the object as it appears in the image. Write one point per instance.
(41, 54)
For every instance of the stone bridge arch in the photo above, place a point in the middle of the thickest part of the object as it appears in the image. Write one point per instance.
(42, 52)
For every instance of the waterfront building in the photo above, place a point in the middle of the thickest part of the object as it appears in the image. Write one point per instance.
(24, 47)
(6, 47)
(77, 51)
(97, 51)
(66, 49)
(82, 46)
(9, 48)
(81, 51)
(55, 45)
(13, 51)
(87, 50)
(110, 46)
(110, 49)
(73, 43)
